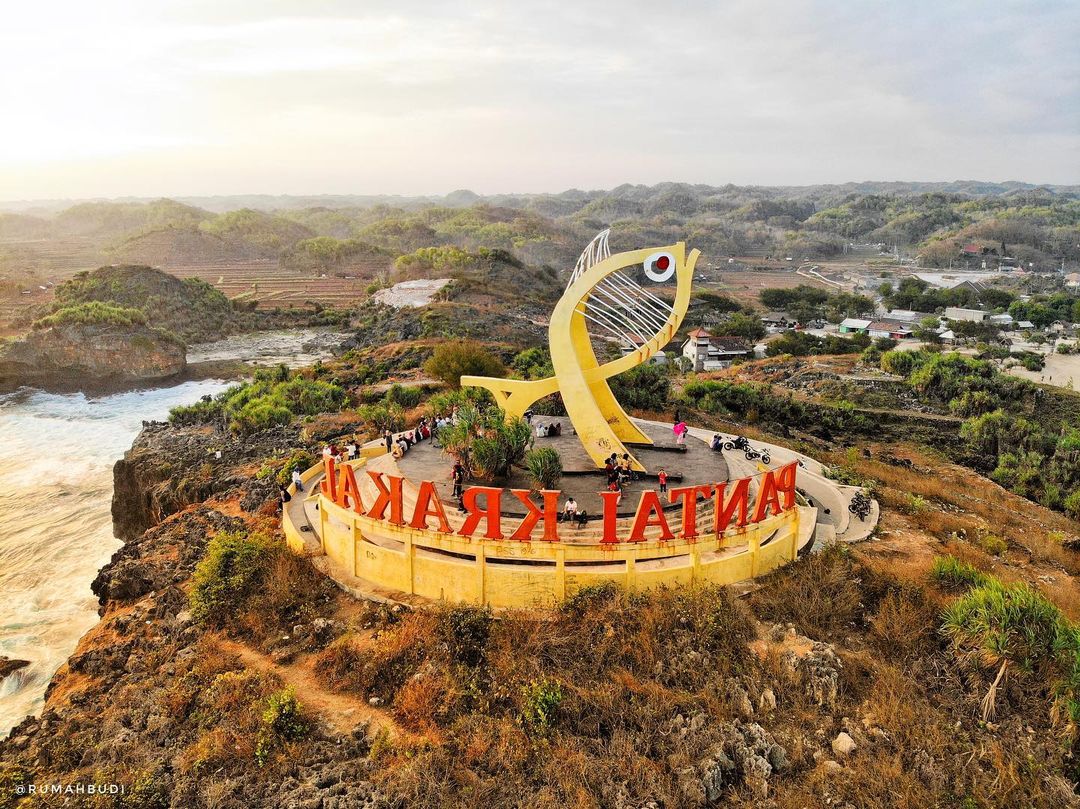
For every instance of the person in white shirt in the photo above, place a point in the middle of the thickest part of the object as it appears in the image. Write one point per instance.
(570, 509)
(298, 481)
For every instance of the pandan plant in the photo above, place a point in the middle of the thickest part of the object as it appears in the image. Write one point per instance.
(545, 467)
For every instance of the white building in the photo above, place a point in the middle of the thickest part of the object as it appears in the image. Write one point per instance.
(708, 352)
(959, 313)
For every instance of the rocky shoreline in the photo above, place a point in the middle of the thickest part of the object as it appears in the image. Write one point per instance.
(9, 666)
(72, 355)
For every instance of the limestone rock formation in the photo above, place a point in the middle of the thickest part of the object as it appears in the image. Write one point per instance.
(99, 352)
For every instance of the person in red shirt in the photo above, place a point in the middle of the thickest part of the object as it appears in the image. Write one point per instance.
(662, 477)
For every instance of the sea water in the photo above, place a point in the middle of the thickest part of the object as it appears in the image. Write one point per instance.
(56, 457)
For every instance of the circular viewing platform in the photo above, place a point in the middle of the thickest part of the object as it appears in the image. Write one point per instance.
(438, 557)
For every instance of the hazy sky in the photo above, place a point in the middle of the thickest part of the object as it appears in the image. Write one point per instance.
(109, 98)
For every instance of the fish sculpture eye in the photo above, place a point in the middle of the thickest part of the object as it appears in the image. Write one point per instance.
(660, 267)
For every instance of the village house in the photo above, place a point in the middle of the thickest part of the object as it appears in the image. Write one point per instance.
(709, 352)
(1004, 321)
(972, 315)
(890, 328)
(778, 321)
(854, 325)
(905, 315)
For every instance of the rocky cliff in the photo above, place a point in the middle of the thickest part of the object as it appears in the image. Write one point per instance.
(95, 352)
(170, 468)
(262, 685)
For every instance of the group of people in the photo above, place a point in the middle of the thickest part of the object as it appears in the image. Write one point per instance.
(350, 452)
(548, 430)
(426, 429)
(541, 430)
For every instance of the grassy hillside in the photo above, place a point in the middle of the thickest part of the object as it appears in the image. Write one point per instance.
(191, 309)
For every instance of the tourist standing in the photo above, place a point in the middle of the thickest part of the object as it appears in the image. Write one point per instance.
(388, 439)
(458, 474)
(297, 480)
(662, 477)
(680, 430)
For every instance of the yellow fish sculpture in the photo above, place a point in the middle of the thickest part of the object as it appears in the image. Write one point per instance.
(603, 293)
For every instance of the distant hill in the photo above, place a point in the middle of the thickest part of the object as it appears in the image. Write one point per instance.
(182, 247)
(111, 219)
(358, 238)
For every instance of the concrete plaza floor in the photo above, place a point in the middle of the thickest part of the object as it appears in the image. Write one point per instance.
(693, 464)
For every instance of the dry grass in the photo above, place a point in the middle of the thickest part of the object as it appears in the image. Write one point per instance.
(820, 594)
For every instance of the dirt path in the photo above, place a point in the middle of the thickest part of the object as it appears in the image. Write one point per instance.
(342, 713)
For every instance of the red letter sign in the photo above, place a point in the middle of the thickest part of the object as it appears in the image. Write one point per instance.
(688, 495)
(648, 505)
(739, 500)
(490, 511)
(550, 515)
(428, 504)
(387, 497)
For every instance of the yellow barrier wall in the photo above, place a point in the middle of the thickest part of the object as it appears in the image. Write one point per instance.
(448, 567)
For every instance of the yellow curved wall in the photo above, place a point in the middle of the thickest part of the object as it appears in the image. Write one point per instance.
(390, 561)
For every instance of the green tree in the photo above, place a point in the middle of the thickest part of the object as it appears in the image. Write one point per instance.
(459, 358)
(742, 325)
(486, 443)
(646, 387)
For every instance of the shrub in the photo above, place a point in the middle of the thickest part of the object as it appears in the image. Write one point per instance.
(1072, 504)
(459, 358)
(974, 403)
(545, 467)
(274, 397)
(383, 416)
(952, 574)
(92, 313)
(485, 442)
(992, 544)
(467, 629)
(12, 777)
(916, 505)
(533, 363)
(234, 564)
(995, 625)
(647, 387)
(300, 460)
(403, 396)
(540, 704)
(282, 721)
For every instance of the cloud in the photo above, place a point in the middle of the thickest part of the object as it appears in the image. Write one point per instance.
(306, 97)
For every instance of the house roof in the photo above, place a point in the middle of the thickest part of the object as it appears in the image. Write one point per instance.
(855, 323)
(1005, 318)
(908, 315)
(889, 325)
(729, 343)
(699, 332)
(1025, 324)
(778, 316)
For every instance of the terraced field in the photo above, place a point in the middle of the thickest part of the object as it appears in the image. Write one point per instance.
(273, 286)
(262, 280)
